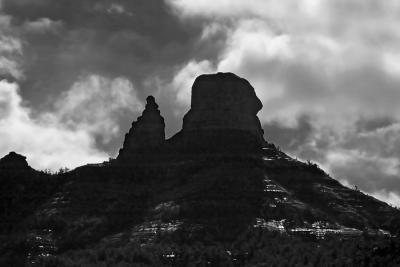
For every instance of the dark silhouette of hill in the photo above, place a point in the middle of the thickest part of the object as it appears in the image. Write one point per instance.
(216, 193)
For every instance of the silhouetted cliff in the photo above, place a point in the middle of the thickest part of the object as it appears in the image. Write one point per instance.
(223, 101)
(13, 161)
(222, 118)
(147, 134)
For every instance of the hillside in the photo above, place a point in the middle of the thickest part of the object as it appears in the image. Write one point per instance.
(216, 193)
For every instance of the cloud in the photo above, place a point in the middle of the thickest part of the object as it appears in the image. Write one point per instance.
(67, 136)
(365, 170)
(10, 67)
(10, 45)
(388, 197)
(10, 50)
(184, 78)
(95, 103)
(42, 25)
(120, 38)
(224, 9)
(292, 138)
(47, 144)
(112, 8)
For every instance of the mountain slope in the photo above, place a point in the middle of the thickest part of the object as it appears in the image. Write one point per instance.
(214, 185)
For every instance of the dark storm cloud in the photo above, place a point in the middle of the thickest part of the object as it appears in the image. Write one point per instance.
(369, 125)
(134, 39)
(289, 139)
(368, 174)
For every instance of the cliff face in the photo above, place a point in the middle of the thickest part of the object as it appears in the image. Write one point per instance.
(223, 101)
(223, 117)
(146, 135)
(13, 161)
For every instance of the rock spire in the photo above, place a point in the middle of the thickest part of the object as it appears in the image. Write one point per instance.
(147, 134)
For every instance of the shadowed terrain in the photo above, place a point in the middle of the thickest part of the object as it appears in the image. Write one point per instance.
(216, 193)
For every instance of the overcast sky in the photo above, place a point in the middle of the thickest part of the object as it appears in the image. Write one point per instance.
(75, 74)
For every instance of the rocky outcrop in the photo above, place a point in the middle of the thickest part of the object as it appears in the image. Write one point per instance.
(223, 116)
(146, 135)
(223, 101)
(14, 161)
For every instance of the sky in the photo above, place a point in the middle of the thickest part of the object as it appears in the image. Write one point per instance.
(75, 74)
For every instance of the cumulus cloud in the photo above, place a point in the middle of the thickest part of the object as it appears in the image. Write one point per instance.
(183, 80)
(95, 103)
(319, 67)
(47, 144)
(67, 136)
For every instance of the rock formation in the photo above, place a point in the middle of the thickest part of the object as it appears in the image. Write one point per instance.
(146, 135)
(223, 101)
(223, 116)
(13, 161)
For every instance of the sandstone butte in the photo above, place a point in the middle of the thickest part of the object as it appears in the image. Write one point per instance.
(222, 118)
